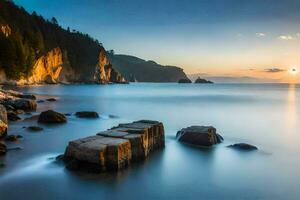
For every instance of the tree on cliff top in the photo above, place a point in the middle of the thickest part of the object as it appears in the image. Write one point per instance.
(33, 36)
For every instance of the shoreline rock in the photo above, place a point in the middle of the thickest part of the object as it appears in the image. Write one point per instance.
(51, 117)
(116, 148)
(199, 135)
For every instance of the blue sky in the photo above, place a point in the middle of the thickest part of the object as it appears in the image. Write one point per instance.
(217, 37)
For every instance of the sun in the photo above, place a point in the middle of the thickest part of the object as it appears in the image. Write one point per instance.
(293, 71)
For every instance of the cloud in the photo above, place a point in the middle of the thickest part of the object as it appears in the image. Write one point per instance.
(274, 70)
(286, 37)
(260, 34)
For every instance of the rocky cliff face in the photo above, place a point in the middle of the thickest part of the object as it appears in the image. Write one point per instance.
(54, 67)
(51, 68)
(104, 72)
(6, 30)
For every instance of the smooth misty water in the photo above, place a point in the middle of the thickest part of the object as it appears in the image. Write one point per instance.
(267, 116)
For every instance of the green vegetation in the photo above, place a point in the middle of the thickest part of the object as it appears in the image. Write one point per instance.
(32, 36)
(136, 69)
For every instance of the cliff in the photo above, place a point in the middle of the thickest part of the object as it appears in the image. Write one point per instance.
(35, 50)
(136, 69)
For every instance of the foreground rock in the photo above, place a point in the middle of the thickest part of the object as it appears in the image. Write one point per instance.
(22, 104)
(243, 146)
(199, 135)
(87, 114)
(116, 148)
(51, 116)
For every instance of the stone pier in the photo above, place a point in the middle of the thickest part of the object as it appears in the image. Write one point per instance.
(116, 148)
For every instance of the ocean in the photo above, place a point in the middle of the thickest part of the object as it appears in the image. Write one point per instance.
(264, 115)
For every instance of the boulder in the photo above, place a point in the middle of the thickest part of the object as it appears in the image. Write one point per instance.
(23, 104)
(115, 148)
(3, 148)
(184, 80)
(87, 114)
(243, 147)
(51, 116)
(199, 135)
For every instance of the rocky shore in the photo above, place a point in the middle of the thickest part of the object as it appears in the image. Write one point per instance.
(111, 150)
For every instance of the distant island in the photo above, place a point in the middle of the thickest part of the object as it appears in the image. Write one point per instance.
(197, 81)
(201, 80)
(35, 50)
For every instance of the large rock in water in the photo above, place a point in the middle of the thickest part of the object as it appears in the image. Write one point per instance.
(115, 148)
(51, 116)
(199, 135)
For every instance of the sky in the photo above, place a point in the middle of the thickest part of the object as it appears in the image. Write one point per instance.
(257, 38)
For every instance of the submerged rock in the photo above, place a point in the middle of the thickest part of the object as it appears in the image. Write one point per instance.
(199, 135)
(116, 148)
(113, 116)
(3, 148)
(51, 116)
(87, 114)
(51, 99)
(243, 146)
(35, 128)
(40, 101)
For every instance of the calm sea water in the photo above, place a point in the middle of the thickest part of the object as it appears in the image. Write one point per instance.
(267, 116)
